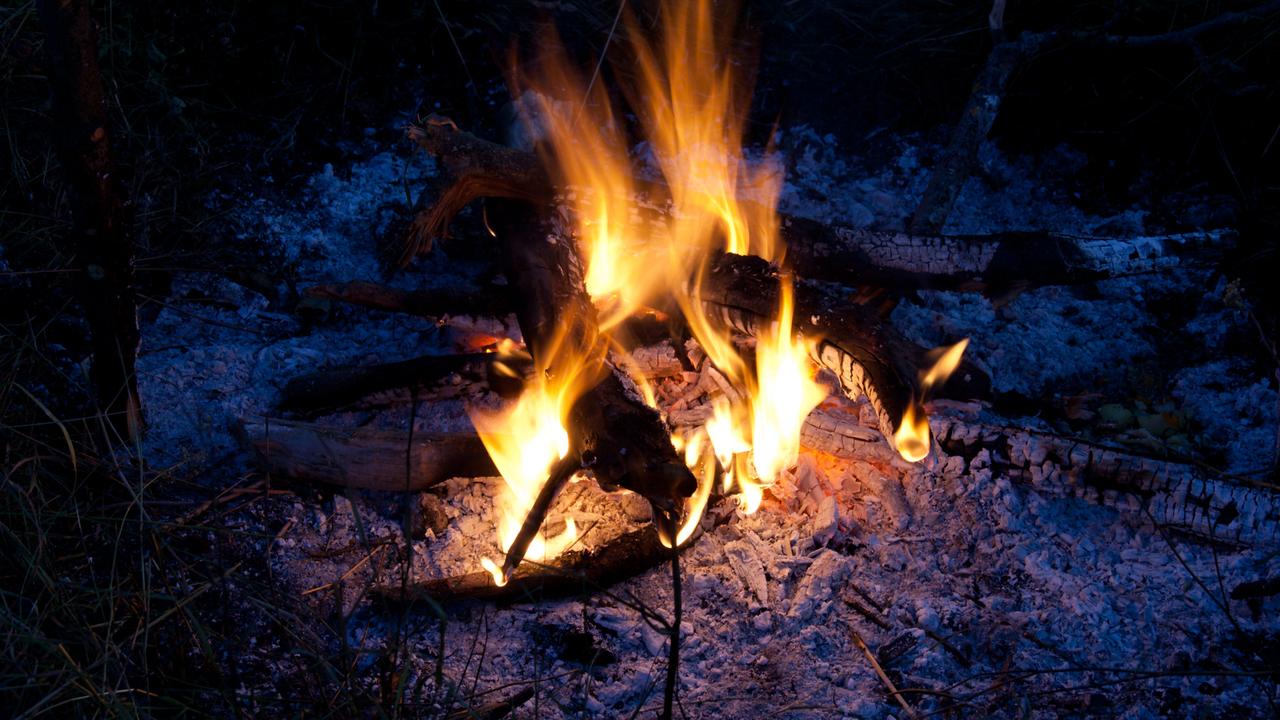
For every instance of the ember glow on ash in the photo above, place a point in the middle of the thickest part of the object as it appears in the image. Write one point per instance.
(692, 107)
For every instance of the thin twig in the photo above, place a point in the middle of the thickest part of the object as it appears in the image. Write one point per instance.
(673, 653)
(875, 664)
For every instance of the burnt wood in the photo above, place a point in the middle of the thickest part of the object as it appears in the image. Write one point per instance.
(327, 390)
(427, 302)
(883, 258)
(612, 434)
(576, 572)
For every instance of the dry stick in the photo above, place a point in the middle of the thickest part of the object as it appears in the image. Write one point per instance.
(875, 664)
(568, 575)
(673, 653)
(493, 711)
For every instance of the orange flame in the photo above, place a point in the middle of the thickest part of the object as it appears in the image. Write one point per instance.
(912, 436)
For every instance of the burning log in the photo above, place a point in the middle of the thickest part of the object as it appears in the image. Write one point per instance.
(1175, 494)
(429, 303)
(364, 459)
(869, 357)
(820, 251)
(611, 432)
(573, 573)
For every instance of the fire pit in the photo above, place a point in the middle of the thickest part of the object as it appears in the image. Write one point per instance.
(567, 377)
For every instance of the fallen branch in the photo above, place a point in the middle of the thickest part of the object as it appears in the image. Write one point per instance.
(573, 573)
(364, 459)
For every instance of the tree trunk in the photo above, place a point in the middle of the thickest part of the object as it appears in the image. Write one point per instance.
(104, 251)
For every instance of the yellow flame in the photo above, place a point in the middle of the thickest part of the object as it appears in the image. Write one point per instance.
(584, 145)
(695, 446)
(912, 437)
(527, 439)
(692, 110)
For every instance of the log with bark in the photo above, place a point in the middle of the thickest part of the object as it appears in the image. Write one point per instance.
(882, 258)
(366, 459)
(613, 435)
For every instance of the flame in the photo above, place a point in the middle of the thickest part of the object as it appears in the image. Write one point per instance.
(912, 436)
(586, 148)
(527, 439)
(692, 109)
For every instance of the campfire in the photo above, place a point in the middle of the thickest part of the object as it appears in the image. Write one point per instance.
(681, 339)
(641, 359)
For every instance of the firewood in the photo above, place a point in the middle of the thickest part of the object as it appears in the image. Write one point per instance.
(870, 358)
(1176, 494)
(612, 434)
(881, 258)
(428, 303)
(575, 572)
(327, 390)
(362, 458)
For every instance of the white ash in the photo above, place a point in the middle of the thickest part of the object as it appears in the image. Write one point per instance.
(1022, 586)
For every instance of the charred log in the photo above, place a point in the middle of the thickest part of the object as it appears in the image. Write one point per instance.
(364, 459)
(573, 573)
(880, 258)
(991, 264)
(870, 358)
(428, 303)
(317, 392)
(1179, 495)
(612, 434)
